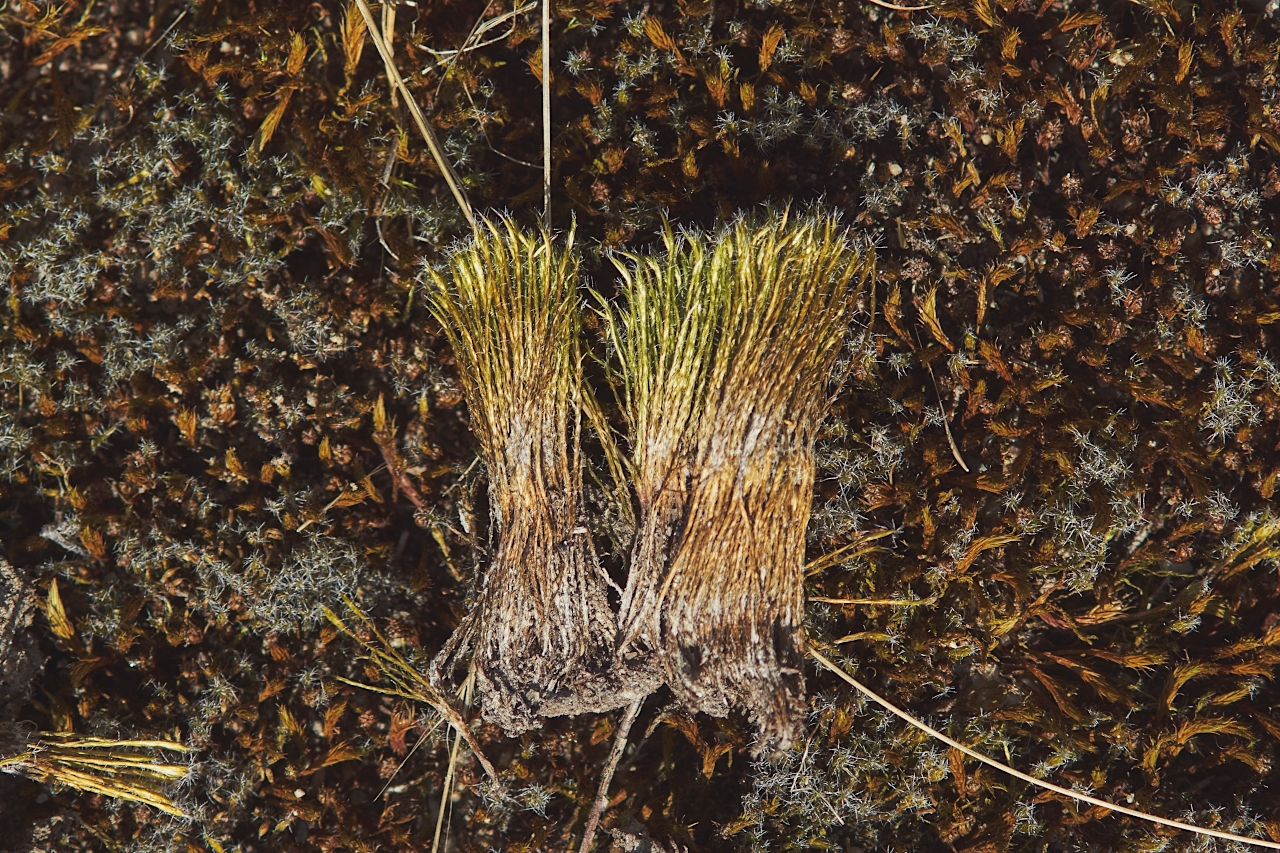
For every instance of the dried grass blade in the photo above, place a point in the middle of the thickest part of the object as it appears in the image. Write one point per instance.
(428, 135)
(1018, 774)
(120, 769)
(409, 683)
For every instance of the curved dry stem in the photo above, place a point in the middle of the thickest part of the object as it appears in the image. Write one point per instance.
(1018, 774)
(887, 5)
(601, 801)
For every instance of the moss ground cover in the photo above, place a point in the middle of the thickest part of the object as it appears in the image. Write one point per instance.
(226, 406)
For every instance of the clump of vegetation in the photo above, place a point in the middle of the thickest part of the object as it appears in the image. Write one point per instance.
(541, 633)
(724, 351)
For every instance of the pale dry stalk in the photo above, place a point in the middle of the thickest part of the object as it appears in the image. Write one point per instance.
(1068, 793)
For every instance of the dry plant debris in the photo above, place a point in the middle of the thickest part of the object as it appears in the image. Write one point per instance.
(20, 661)
(121, 769)
(211, 225)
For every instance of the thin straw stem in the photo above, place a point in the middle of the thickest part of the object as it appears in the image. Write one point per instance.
(886, 5)
(546, 112)
(393, 76)
(1018, 774)
(606, 777)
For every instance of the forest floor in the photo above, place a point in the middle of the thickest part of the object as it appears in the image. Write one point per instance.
(214, 341)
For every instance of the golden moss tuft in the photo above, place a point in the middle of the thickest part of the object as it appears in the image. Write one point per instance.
(542, 631)
(725, 348)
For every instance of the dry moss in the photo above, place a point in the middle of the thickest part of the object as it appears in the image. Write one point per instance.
(1074, 205)
(726, 346)
(541, 631)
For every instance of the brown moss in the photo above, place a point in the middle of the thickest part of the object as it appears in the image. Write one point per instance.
(189, 382)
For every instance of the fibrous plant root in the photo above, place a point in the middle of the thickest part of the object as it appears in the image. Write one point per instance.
(542, 631)
(725, 348)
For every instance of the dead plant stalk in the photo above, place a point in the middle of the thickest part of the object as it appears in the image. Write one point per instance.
(826, 664)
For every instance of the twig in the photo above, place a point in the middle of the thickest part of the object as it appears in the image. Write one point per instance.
(546, 112)
(878, 602)
(896, 7)
(615, 755)
(482, 26)
(389, 35)
(336, 501)
(446, 794)
(428, 135)
(421, 740)
(165, 34)
(1017, 774)
(946, 422)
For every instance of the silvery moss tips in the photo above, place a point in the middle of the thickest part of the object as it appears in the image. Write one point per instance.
(724, 350)
(542, 631)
